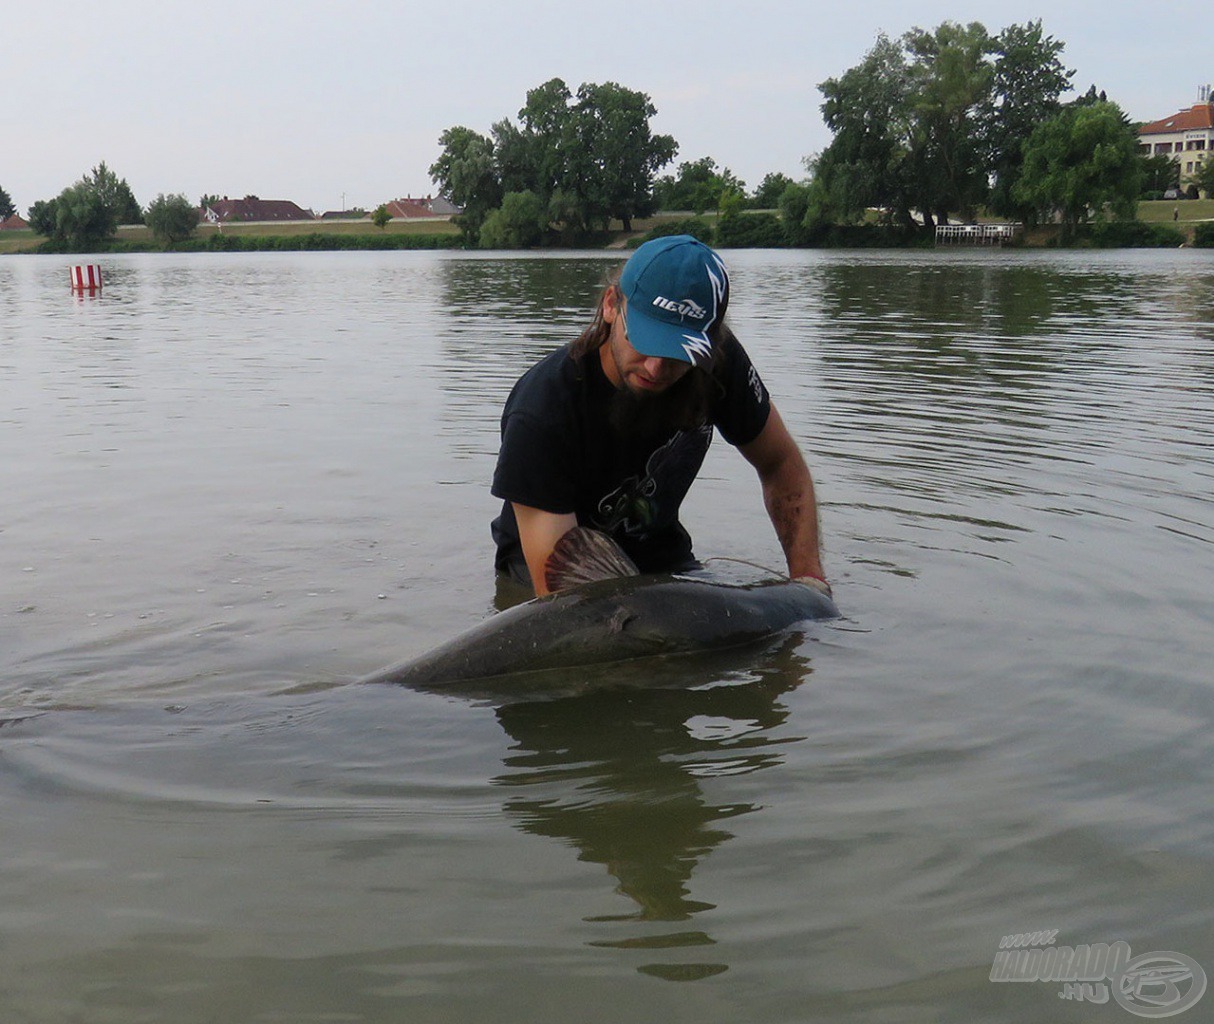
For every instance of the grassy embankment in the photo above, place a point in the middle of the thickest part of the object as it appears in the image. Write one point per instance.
(27, 241)
(19, 241)
(1188, 213)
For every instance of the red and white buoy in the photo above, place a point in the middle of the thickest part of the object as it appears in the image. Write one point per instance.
(86, 279)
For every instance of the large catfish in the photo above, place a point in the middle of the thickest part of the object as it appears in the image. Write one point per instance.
(603, 610)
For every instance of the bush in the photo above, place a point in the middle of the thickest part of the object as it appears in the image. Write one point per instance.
(322, 242)
(874, 236)
(1131, 234)
(171, 218)
(518, 224)
(42, 217)
(1203, 235)
(697, 227)
(82, 218)
(750, 231)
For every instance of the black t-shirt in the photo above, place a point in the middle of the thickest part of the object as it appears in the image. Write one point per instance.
(560, 453)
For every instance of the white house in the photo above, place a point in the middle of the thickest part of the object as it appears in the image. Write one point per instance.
(1186, 137)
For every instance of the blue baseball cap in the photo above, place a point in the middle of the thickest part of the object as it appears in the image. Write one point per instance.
(676, 288)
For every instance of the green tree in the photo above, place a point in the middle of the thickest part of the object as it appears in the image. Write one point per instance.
(950, 80)
(7, 209)
(545, 155)
(518, 223)
(548, 160)
(381, 216)
(737, 228)
(1159, 173)
(516, 162)
(935, 123)
(767, 193)
(697, 185)
(565, 215)
(1029, 79)
(82, 217)
(794, 205)
(115, 193)
(587, 157)
(87, 213)
(806, 213)
(868, 109)
(1081, 163)
(1203, 177)
(617, 153)
(43, 216)
(172, 218)
(466, 174)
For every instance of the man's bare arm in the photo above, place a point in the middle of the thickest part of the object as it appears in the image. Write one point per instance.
(788, 494)
(538, 532)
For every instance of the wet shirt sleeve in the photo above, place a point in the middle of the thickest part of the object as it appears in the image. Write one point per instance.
(742, 411)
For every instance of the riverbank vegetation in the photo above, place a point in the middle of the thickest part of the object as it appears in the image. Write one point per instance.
(933, 127)
(570, 165)
(1154, 227)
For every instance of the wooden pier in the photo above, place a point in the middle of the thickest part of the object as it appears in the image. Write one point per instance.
(976, 234)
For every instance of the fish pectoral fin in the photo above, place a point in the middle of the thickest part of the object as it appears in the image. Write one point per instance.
(619, 619)
(583, 555)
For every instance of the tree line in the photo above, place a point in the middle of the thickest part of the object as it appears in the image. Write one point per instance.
(88, 212)
(953, 120)
(931, 126)
(570, 164)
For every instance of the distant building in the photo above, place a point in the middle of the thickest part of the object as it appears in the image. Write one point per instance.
(410, 209)
(1186, 137)
(443, 207)
(250, 208)
(13, 223)
(422, 208)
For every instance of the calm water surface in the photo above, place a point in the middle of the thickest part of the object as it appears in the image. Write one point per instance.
(233, 483)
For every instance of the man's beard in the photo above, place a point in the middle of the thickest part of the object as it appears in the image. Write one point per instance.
(657, 415)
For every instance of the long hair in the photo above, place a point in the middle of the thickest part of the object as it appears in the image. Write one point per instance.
(688, 402)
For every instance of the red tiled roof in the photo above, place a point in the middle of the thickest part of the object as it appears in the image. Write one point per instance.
(1200, 115)
(409, 208)
(259, 209)
(13, 223)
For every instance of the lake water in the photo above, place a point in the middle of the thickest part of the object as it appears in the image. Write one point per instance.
(233, 483)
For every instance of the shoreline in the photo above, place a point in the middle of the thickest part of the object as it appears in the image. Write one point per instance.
(1154, 227)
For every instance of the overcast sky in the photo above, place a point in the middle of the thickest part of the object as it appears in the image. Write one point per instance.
(336, 104)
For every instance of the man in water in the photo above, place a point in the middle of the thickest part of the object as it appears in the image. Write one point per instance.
(610, 431)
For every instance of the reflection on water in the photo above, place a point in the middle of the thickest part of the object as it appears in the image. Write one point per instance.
(627, 773)
(619, 774)
(235, 482)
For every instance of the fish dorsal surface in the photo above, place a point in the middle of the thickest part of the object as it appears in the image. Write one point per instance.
(583, 555)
